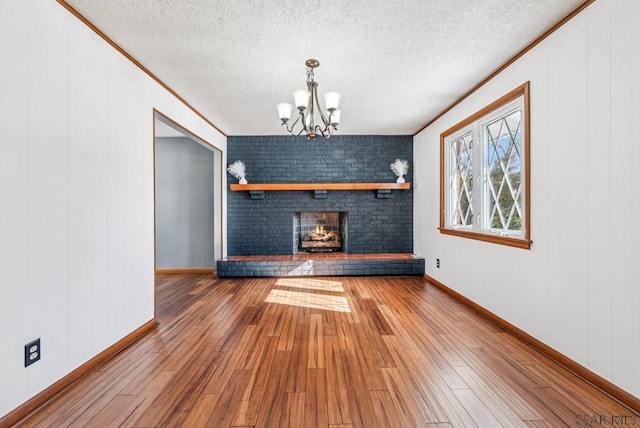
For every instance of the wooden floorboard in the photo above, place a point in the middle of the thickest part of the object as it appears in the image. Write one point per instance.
(323, 352)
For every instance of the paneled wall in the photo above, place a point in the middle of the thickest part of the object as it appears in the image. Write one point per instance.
(578, 288)
(266, 226)
(76, 185)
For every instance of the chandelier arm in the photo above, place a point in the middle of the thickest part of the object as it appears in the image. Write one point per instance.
(326, 133)
(329, 118)
(325, 122)
(291, 130)
(301, 118)
(298, 134)
(286, 125)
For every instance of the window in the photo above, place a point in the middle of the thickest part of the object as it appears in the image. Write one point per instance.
(484, 173)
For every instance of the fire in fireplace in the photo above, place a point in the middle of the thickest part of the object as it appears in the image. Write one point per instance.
(320, 231)
(320, 239)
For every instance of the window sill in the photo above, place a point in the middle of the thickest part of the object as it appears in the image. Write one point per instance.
(495, 239)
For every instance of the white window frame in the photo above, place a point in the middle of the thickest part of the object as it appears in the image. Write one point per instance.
(476, 125)
(451, 202)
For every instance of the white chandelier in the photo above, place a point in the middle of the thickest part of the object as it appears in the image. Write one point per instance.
(307, 104)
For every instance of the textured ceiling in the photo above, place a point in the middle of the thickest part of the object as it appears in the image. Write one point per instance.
(396, 64)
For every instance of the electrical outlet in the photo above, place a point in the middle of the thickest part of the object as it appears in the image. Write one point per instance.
(438, 263)
(32, 352)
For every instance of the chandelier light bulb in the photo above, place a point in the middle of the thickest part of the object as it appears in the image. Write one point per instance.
(332, 100)
(335, 117)
(284, 111)
(301, 97)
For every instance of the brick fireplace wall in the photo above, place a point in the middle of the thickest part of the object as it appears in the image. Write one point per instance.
(265, 226)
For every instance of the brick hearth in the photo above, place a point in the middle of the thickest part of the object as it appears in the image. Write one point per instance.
(326, 264)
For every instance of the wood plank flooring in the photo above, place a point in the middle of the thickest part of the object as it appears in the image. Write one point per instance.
(323, 352)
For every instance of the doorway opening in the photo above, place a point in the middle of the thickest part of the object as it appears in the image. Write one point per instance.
(188, 199)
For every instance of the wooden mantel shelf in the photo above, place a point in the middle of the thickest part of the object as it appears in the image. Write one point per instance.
(320, 186)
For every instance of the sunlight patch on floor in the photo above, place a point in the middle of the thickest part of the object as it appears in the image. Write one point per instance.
(308, 300)
(312, 284)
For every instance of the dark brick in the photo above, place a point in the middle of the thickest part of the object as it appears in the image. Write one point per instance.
(266, 227)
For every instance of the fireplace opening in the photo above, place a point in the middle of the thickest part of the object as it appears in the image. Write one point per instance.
(320, 231)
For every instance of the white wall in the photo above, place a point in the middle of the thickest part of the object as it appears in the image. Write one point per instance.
(578, 288)
(76, 188)
(185, 206)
